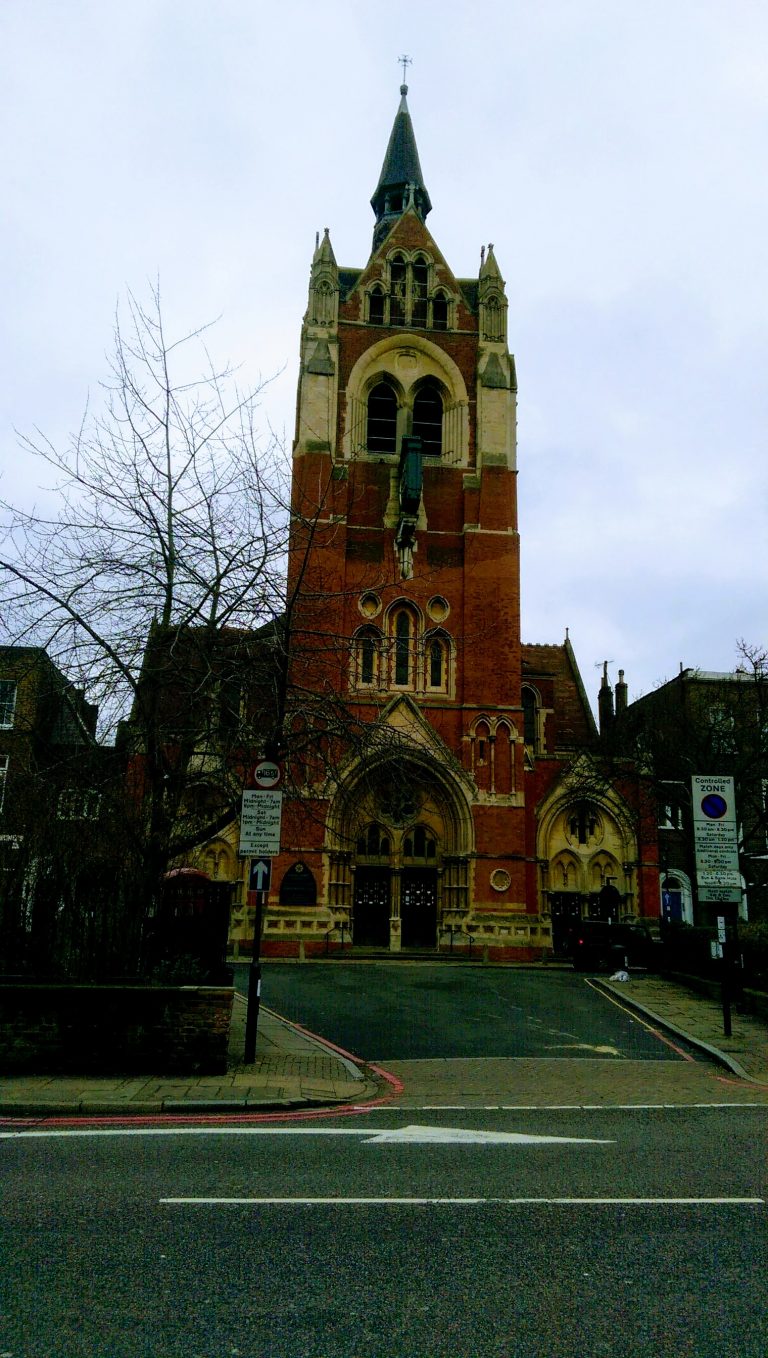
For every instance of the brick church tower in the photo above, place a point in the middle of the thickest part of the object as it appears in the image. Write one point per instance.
(442, 785)
(404, 594)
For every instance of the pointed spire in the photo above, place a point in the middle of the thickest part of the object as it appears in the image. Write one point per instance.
(401, 183)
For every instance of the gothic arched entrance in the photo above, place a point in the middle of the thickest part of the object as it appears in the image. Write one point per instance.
(406, 825)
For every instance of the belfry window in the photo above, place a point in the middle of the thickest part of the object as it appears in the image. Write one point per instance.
(398, 279)
(381, 434)
(419, 290)
(428, 418)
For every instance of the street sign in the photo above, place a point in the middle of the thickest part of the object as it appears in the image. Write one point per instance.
(260, 875)
(266, 773)
(260, 818)
(716, 837)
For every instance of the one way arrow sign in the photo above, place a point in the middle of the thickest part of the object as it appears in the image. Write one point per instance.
(261, 874)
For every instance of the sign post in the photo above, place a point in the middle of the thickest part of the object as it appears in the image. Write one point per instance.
(716, 845)
(259, 839)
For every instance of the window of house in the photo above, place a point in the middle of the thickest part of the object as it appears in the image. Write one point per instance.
(428, 418)
(78, 803)
(669, 816)
(3, 777)
(381, 434)
(7, 703)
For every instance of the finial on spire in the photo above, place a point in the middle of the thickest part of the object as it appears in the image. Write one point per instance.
(405, 62)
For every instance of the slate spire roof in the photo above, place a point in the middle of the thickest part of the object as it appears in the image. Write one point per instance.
(401, 182)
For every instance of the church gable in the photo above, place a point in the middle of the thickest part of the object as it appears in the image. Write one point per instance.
(408, 283)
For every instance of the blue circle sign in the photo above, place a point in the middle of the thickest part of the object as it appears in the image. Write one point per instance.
(714, 806)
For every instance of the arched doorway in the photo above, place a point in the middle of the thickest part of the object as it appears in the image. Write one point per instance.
(391, 829)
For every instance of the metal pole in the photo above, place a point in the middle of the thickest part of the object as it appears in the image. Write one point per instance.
(254, 984)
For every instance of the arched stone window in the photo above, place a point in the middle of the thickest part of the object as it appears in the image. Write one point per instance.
(397, 291)
(419, 291)
(582, 823)
(373, 842)
(403, 636)
(482, 756)
(376, 306)
(367, 656)
(298, 886)
(428, 417)
(419, 844)
(381, 432)
(437, 660)
(440, 311)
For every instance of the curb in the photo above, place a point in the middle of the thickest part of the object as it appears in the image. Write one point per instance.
(724, 1058)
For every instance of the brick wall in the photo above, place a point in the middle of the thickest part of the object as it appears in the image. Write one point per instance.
(114, 1030)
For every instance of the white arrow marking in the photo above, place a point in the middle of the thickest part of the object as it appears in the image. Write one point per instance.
(415, 1135)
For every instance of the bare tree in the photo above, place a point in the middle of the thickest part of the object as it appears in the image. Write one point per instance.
(160, 571)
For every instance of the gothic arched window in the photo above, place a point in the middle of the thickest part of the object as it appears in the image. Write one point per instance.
(440, 311)
(428, 418)
(403, 637)
(381, 433)
(437, 657)
(398, 291)
(367, 652)
(376, 306)
(419, 290)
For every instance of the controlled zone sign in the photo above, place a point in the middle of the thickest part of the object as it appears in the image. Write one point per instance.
(716, 839)
(260, 818)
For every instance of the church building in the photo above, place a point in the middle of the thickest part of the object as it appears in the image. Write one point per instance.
(461, 808)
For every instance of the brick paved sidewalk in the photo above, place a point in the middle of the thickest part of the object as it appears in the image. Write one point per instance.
(700, 1020)
(291, 1069)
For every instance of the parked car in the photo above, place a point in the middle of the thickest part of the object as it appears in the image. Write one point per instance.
(598, 945)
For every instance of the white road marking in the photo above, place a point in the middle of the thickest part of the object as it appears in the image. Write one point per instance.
(411, 1135)
(461, 1202)
(417, 1135)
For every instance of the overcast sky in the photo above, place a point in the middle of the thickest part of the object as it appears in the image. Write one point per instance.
(613, 152)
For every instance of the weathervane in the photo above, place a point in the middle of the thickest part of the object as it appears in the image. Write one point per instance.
(405, 62)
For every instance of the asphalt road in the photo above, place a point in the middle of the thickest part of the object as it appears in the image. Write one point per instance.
(399, 1011)
(359, 1238)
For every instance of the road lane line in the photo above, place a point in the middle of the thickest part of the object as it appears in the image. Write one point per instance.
(461, 1202)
